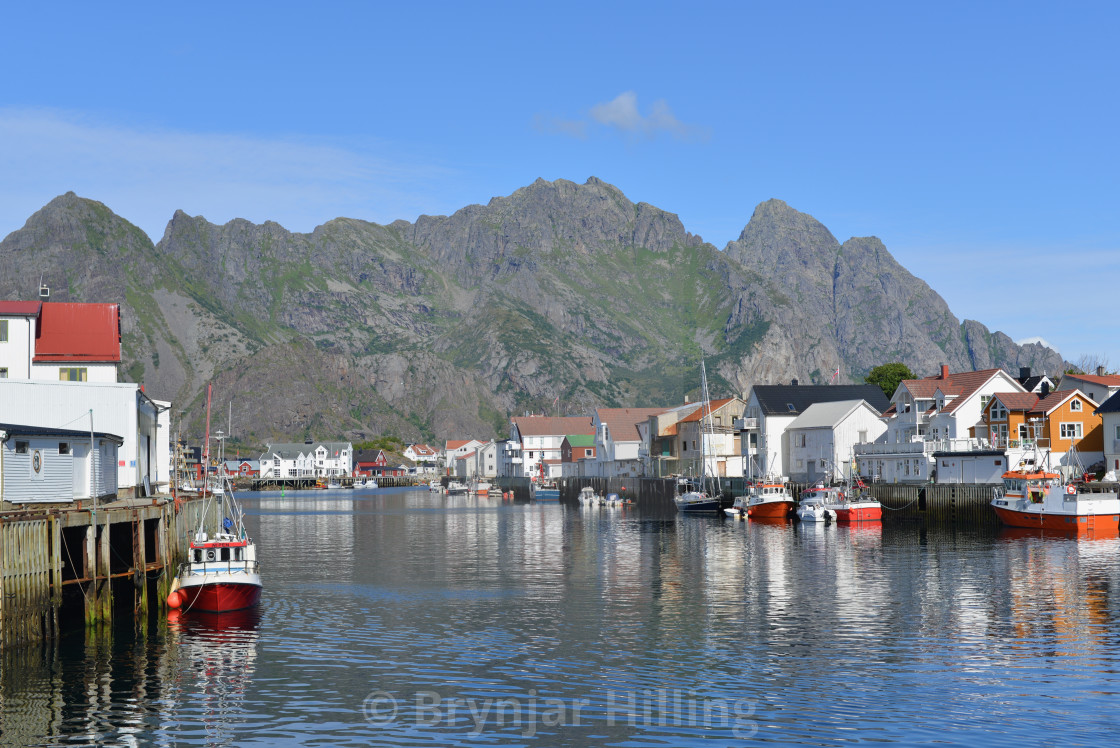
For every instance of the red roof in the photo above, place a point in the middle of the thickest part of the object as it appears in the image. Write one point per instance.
(960, 385)
(623, 422)
(78, 332)
(1108, 380)
(455, 444)
(20, 308)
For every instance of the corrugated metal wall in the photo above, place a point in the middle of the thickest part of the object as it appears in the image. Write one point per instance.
(53, 482)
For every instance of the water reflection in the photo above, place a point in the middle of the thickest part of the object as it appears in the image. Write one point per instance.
(433, 604)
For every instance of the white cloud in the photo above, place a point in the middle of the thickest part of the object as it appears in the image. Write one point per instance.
(144, 175)
(1037, 339)
(624, 115)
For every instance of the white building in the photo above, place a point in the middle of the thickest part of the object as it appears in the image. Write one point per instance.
(119, 408)
(619, 448)
(1099, 387)
(59, 342)
(823, 437)
(771, 408)
(1109, 412)
(39, 465)
(541, 437)
(307, 460)
(929, 416)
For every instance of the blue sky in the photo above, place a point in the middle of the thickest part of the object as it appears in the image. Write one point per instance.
(978, 141)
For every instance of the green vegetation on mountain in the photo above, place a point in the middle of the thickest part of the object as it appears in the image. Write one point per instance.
(445, 327)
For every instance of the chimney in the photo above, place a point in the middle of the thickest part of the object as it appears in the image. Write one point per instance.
(1024, 372)
(1045, 389)
(1100, 371)
(944, 371)
(794, 382)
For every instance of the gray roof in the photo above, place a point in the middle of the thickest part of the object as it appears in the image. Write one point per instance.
(793, 399)
(14, 429)
(294, 450)
(827, 415)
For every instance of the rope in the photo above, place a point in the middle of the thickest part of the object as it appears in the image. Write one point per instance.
(898, 509)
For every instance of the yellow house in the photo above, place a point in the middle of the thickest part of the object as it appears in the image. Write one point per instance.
(1057, 421)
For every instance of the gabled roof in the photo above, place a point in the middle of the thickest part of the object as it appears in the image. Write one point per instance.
(553, 425)
(828, 415)
(961, 385)
(453, 444)
(89, 333)
(792, 399)
(1108, 380)
(581, 440)
(698, 414)
(1054, 399)
(20, 308)
(623, 422)
(291, 451)
(1030, 384)
(1016, 400)
(423, 449)
(1111, 405)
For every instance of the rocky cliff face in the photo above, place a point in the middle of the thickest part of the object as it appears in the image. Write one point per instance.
(444, 327)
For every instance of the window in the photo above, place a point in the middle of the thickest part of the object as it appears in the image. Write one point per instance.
(1075, 405)
(530, 455)
(1070, 430)
(998, 412)
(3, 331)
(984, 400)
(64, 448)
(3, 372)
(1118, 431)
(73, 374)
(21, 448)
(587, 453)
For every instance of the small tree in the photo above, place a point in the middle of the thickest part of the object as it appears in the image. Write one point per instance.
(887, 376)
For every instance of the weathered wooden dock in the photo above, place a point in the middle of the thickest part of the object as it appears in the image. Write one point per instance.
(61, 565)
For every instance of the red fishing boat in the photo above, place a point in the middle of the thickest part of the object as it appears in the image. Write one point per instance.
(770, 499)
(1035, 498)
(221, 573)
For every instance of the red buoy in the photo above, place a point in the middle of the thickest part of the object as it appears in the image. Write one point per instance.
(174, 600)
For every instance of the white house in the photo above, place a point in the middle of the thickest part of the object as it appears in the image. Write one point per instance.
(823, 437)
(540, 438)
(1099, 386)
(771, 408)
(619, 449)
(928, 416)
(1109, 412)
(43, 465)
(59, 342)
(119, 408)
(307, 460)
(422, 454)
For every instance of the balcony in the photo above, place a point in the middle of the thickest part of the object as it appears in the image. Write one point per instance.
(745, 424)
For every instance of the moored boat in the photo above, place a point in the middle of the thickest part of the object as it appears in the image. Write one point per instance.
(546, 490)
(770, 499)
(1038, 499)
(692, 495)
(692, 498)
(818, 504)
(456, 488)
(221, 572)
(588, 497)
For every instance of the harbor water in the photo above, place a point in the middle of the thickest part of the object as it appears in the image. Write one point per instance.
(402, 617)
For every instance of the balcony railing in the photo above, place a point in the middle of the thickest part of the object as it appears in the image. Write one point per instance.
(745, 424)
(923, 447)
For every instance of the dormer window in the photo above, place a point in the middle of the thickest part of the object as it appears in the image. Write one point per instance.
(792, 409)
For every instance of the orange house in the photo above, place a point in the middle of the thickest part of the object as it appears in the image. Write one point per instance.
(1059, 420)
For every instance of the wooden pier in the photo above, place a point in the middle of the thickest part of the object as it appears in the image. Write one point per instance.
(62, 565)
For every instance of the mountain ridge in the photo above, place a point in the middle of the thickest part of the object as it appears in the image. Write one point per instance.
(559, 292)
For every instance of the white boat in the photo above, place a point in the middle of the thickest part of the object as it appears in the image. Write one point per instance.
(333, 483)
(692, 496)
(457, 488)
(588, 497)
(435, 485)
(366, 484)
(819, 504)
(480, 488)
